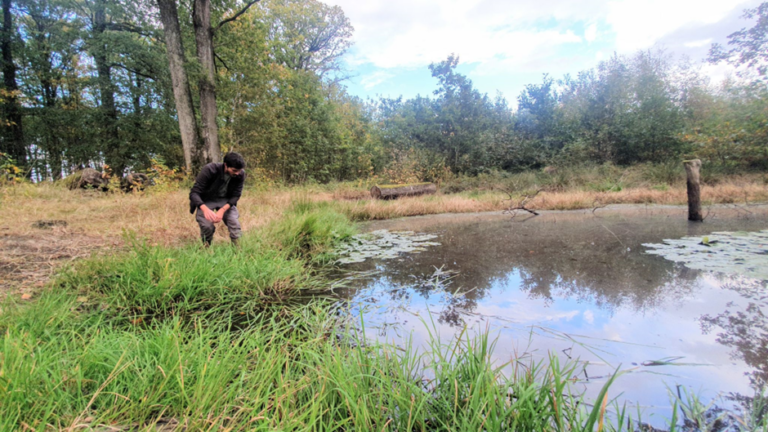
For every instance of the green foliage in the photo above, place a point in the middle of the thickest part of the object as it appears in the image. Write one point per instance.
(9, 172)
(307, 35)
(299, 369)
(748, 47)
(97, 91)
(312, 229)
(289, 123)
(69, 127)
(730, 133)
(626, 111)
(669, 173)
(162, 177)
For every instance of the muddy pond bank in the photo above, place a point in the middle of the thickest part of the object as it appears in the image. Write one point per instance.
(579, 284)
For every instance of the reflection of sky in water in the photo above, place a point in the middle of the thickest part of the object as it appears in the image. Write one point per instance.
(575, 291)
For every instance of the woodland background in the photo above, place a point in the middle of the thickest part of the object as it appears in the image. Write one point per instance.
(103, 83)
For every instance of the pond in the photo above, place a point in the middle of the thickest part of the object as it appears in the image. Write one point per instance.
(580, 285)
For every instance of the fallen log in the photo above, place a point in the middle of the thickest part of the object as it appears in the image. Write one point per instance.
(396, 191)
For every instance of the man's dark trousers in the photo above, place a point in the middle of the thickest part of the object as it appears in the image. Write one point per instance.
(231, 219)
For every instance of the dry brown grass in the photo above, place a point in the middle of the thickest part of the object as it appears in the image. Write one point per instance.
(724, 193)
(97, 222)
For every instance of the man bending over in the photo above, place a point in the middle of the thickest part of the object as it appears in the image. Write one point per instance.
(215, 194)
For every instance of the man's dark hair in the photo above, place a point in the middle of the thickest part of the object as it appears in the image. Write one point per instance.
(234, 160)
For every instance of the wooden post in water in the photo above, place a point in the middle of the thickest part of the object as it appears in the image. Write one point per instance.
(692, 168)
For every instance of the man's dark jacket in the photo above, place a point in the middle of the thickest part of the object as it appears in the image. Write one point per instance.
(208, 183)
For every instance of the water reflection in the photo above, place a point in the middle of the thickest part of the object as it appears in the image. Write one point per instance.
(580, 285)
(743, 326)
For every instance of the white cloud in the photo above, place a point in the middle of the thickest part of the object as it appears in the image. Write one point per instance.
(505, 39)
(414, 33)
(375, 79)
(590, 34)
(698, 43)
(640, 24)
(589, 316)
(399, 33)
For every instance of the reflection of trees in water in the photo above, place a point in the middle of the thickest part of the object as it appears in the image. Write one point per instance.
(744, 329)
(623, 280)
(591, 259)
(395, 291)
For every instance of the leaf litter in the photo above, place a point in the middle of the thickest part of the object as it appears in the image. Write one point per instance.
(383, 244)
(741, 253)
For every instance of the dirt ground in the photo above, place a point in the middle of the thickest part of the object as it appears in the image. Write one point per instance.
(27, 261)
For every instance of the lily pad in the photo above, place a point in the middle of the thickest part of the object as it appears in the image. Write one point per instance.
(741, 253)
(383, 244)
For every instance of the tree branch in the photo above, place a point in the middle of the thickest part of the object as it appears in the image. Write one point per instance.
(521, 205)
(222, 61)
(124, 67)
(127, 27)
(237, 15)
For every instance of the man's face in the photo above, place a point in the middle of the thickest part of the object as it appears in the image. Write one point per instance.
(233, 172)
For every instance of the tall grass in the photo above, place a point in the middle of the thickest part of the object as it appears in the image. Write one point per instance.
(203, 339)
(63, 369)
(152, 280)
(311, 229)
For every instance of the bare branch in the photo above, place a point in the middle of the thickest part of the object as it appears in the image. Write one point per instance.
(222, 61)
(521, 204)
(132, 70)
(597, 205)
(236, 16)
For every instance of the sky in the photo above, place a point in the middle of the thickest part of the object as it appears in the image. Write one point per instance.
(505, 44)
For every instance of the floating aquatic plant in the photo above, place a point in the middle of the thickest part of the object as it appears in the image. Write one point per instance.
(383, 244)
(741, 253)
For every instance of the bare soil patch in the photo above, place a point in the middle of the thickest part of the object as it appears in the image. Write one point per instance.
(27, 261)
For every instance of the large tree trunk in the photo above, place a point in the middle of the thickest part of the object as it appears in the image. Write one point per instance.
(52, 141)
(204, 39)
(181, 92)
(107, 92)
(15, 139)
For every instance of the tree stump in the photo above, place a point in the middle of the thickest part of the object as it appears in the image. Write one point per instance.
(396, 191)
(134, 182)
(692, 168)
(88, 178)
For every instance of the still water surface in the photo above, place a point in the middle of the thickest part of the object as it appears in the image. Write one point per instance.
(580, 285)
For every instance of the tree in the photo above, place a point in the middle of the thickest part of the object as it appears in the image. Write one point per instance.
(307, 34)
(204, 43)
(13, 141)
(185, 110)
(204, 33)
(749, 47)
(463, 114)
(538, 115)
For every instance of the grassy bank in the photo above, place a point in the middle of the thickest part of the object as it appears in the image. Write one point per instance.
(195, 339)
(89, 221)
